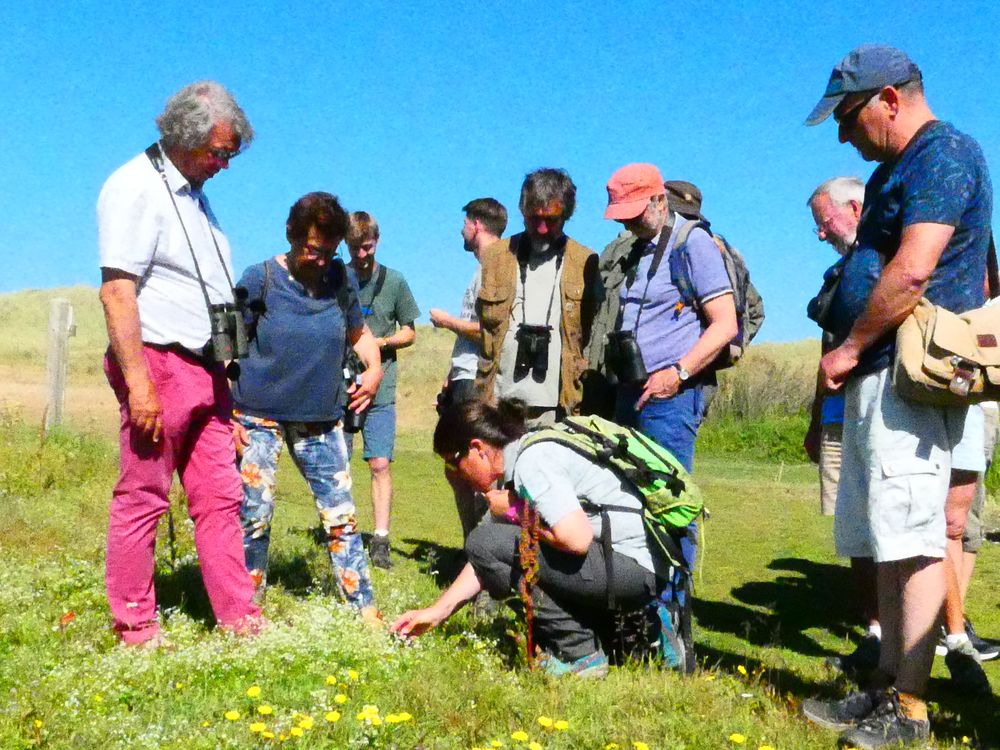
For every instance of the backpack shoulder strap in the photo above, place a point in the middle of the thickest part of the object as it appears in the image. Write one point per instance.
(680, 261)
(379, 281)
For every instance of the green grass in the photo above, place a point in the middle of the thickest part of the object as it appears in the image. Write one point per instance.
(770, 601)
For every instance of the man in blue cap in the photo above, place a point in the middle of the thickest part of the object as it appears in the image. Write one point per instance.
(924, 231)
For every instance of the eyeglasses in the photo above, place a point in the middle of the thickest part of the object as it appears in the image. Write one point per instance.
(451, 463)
(223, 154)
(847, 120)
(823, 227)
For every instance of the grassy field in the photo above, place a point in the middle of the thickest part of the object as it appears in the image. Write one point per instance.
(771, 603)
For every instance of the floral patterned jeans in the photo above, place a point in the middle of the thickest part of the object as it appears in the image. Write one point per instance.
(320, 453)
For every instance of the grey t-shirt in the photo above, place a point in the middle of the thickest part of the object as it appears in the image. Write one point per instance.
(465, 354)
(536, 302)
(554, 478)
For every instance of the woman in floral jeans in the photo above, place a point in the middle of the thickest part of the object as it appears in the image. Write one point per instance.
(303, 312)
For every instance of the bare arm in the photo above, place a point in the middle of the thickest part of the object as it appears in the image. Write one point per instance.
(121, 313)
(367, 350)
(468, 329)
(401, 339)
(897, 292)
(419, 621)
(573, 534)
(721, 314)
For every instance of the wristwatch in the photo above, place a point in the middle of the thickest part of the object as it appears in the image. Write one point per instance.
(681, 372)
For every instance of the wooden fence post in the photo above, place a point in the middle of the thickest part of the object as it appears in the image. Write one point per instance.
(61, 327)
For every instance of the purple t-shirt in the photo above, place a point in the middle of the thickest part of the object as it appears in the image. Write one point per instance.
(668, 329)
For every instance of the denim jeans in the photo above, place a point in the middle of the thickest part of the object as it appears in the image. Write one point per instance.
(320, 454)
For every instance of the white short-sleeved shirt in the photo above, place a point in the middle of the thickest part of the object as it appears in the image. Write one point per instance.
(139, 233)
(554, 478)
(465, 354)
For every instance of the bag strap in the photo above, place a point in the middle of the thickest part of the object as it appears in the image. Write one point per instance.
(681, 267)
(992, 272)
(379, 282)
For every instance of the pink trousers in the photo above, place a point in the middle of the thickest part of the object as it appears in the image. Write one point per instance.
(197, 443)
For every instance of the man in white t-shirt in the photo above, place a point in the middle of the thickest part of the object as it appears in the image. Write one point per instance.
(485, 222)
(164, 263)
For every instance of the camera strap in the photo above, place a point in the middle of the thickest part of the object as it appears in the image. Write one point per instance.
(155, 156)
(654, 266)
(522, 252)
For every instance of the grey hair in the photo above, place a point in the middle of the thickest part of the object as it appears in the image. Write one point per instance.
(841, 190)
(543, 186)
(191, 113)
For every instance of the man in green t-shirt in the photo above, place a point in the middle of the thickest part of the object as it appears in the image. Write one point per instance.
(389, 310)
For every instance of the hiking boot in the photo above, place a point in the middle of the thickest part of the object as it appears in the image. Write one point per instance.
(863, 659)
(987, 649)
(672, 648)
(966, 673)
(844, 713)
(886, 725)
(592, 666)
(378, 552)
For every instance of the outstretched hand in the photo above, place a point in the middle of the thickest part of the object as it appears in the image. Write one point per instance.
(416, 622)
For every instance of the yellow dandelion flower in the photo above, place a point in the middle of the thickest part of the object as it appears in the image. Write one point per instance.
(205, 724)
(519, 736)
(534, 746)
(257, 727)
(737, 738)
(375, 721)
(613, 746)
(966, 740)
(546, 721)
(352, 675)
(265, 710)
(561, 724)
(496, 743)
(178, 686)
(340, 698)
(282, 737)
(267, 735)
(296, 731)
(253, 691)
(404, 716)
(98, 698)
(332, 716)
(331, 680)
(710, 677)
(38, 723)
(640, 746)
(232, 715)
(742, 670)
(765, 747)
(306, 722)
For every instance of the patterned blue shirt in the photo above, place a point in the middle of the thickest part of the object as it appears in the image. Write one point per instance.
(940, 178)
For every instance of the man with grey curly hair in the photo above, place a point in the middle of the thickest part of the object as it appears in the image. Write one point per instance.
(165, 271)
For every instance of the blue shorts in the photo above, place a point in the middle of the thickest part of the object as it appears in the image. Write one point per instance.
(378, 434)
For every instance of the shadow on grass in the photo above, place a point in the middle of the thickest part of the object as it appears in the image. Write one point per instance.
(441, 561)
(959, 715)
(182, 589)
(820, 597)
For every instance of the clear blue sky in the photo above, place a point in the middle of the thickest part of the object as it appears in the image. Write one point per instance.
(408, 111)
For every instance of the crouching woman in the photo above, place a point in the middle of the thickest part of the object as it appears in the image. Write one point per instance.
(481, 444)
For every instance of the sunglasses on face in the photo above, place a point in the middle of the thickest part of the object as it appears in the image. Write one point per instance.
(223, 154)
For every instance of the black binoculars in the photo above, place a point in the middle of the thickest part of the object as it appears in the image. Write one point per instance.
(624, 357)
(532, 351)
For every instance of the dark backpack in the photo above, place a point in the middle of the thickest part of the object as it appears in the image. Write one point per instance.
(745, 295)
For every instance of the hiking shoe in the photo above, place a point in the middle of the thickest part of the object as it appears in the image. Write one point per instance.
(378, 552)
(863, 659)
(592, 666)
(966, 673)
(672, 648)
(886, 725)
(844, 713)
(987, 649)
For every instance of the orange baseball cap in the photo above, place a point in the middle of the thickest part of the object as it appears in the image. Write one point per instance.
(630, 189)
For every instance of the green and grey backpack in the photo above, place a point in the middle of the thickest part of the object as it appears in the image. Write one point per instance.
(670, 498)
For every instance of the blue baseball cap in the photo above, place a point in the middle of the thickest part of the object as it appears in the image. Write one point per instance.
(868, 68)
